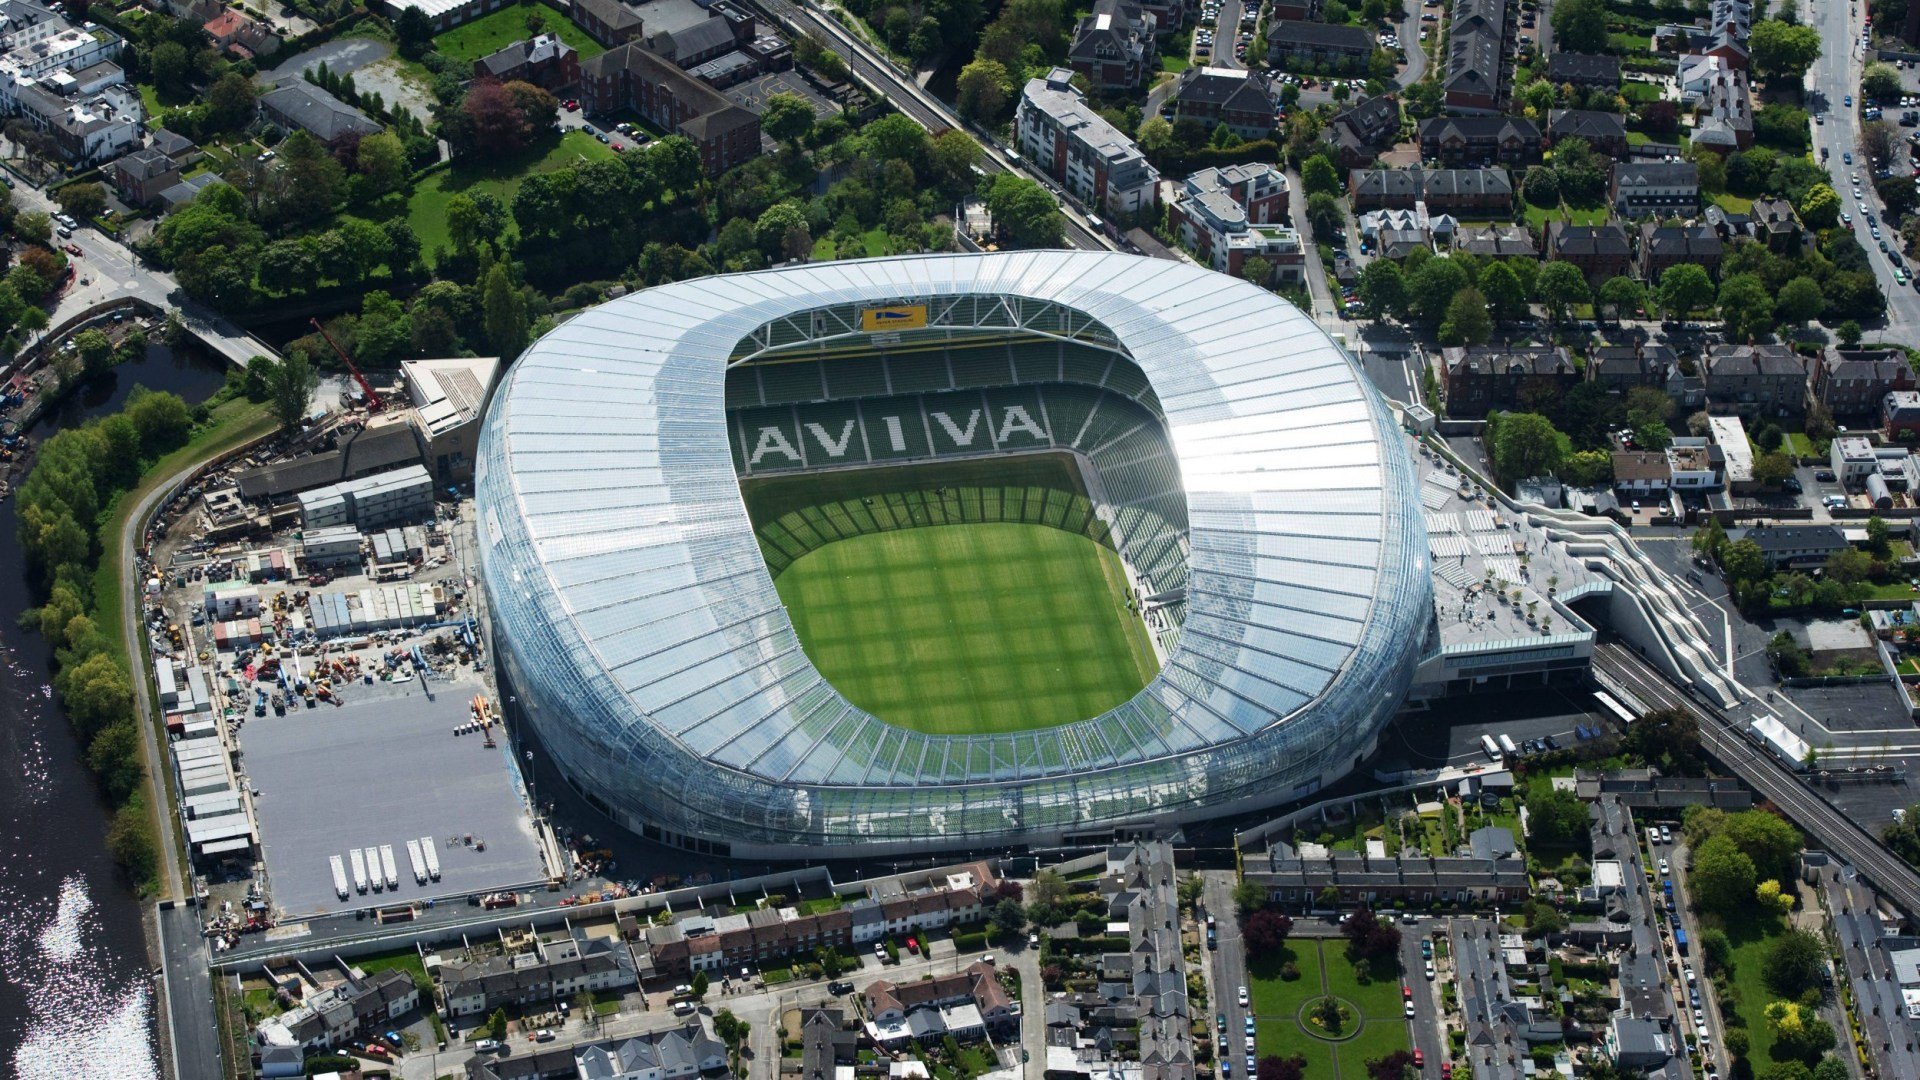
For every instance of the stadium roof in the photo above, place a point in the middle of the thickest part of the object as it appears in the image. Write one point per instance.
(625, 575)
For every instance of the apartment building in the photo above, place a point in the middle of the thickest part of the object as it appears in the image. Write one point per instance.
(630, 77)
(1232, 214)
(1481, 140)
(1063, 137)
(1115, 46)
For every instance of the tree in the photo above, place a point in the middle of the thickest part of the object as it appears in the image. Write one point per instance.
(163, 422)
(1555, 818)
(1506, 297)
(1880, 82)
(984, 89)
(96, 351)
(1525, 445)
(1395, 1066)
(171, 70)
(1274, 1067)
(1257, 270)
(1781, 50)
(788, 118)
(382, 159)
(497, 1025)
(731, 1029)
(1772, 898)
(84, 201)
(1716, 949)
(1324, 213)
(1877, 140)
(1561, 285)
(1768, 839)
(1800, 301)
(1820, 207)
(1664, 736)
(288, 384)
(1024, 212)
(1879, 537)
(1371, 939)
(1249, 896)
(1265, 931)
(1008, 918)
(1580, 25)
(1723, 877)
(230, 102)
(414, 31)
(1318, 176)
(1624, 295)
(698, 985)
(1794, 962)
(504, 313)
(1467, 321)
(490, 122)
(1383, 289)
(1432, 287)
(1684, 289)
(1772, 468)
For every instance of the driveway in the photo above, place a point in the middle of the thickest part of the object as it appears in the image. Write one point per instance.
(343, 56)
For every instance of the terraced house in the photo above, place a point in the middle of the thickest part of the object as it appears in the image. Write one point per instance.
(1317, 46)
(1247, 102)
(1512, 141)
(1478, 39)
(1451, 190)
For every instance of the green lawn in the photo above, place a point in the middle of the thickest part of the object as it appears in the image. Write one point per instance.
(404, 959)
(1638, 138)
(1749, 934)
(427, 210)
(1733, 204)
(1173, 64)
(494, 32)
(970, 628)
(1323, 969)
(1798, 444)
(1639, 93)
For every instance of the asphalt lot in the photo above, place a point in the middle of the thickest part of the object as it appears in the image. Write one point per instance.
(384, 770)
(1449, 733)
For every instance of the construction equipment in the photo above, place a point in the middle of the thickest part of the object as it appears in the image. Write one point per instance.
(374, 403)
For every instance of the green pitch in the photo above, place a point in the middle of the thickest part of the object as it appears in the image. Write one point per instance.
(970, 628)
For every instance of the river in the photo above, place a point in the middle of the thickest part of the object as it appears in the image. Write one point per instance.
(76, 1002)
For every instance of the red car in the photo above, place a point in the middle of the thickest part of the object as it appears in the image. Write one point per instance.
(1419, 1059)
(1446, 1070)
(618, 148)
(1406, 992)
(571, 106)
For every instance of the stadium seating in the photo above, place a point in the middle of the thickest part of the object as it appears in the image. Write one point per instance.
(961, 403)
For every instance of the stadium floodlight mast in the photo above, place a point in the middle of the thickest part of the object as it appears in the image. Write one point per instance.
(1265, 500)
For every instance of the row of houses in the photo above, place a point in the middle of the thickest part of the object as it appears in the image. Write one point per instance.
(550, 970)
(687, 1050)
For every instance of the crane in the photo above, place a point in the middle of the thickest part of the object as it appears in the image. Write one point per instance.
(374, 403)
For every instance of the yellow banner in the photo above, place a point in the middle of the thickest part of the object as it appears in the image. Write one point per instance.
(900, 317)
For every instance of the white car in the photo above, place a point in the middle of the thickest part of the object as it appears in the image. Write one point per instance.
(1429, 969)
(1690, 976)
(1664, 870)
(1243, 997)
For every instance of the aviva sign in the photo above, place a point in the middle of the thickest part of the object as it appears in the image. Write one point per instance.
(895, 317)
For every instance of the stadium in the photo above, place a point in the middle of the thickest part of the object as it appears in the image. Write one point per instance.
(948, 551)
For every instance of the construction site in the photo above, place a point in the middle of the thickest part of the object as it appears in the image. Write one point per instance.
(311, 609)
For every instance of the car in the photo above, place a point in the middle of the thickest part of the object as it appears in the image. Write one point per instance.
(1899, 275)
(1243, 997)
(1033, 941)
(839, 987)
(1691, 978)
(1220, 1022)
(880, 949)
(1846, 218)
(1252, 1065)
(1250, 1044)
(1666, 834)
(1699, 1019)
(1426, 948)
(1249, 1023)
(1429, 970)
(1849, 101)
(1419, 1059)
(377, 1049)
(1406, 992)
(543, 1035)
(1226, 1067)
(71, 249)
(913, 945)
(601, 135)
(1820, 120)
(1846, 157)
(488, 1046)
(1446, 1070)
(1791, 485)
(618, 148)
(1409, 1010)
(1825, 476)
(394, 1038)
(1664, 871)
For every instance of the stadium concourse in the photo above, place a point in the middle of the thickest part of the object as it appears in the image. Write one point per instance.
(1139, 448)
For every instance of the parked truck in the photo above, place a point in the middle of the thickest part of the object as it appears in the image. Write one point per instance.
(432, 856)
(387, 867)
(339, 876)
(359, 860)
(417, 862)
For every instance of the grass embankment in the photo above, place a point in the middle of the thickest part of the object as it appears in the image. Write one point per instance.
(491, 33)
(499, 177)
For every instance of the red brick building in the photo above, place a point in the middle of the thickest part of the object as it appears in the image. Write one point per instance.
(630, 77)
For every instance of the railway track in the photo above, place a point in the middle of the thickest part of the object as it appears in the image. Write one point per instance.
(1723, 735)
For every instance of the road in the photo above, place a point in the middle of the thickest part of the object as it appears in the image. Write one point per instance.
(1427, 1036)
(1835, 76)
(1227, 964)
(186, 993)
(917, 104)
(1826, 826)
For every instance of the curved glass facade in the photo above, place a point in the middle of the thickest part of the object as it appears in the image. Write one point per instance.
(647, 645)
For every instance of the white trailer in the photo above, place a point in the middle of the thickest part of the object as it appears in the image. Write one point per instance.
(419, 864)
(433, 857)
(387, 867)
(373, 869)
(359, 860)
(339, 876)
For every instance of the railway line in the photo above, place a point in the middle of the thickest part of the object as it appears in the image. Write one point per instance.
(1724, 736)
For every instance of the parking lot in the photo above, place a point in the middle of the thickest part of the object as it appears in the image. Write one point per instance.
(386, 769)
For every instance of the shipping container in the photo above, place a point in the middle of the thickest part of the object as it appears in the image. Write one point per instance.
(387, 868)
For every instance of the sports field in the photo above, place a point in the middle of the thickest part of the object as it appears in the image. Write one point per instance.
(970, 628)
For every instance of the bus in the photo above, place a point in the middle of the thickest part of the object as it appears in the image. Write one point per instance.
(1618, 711)
(1492, 748)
